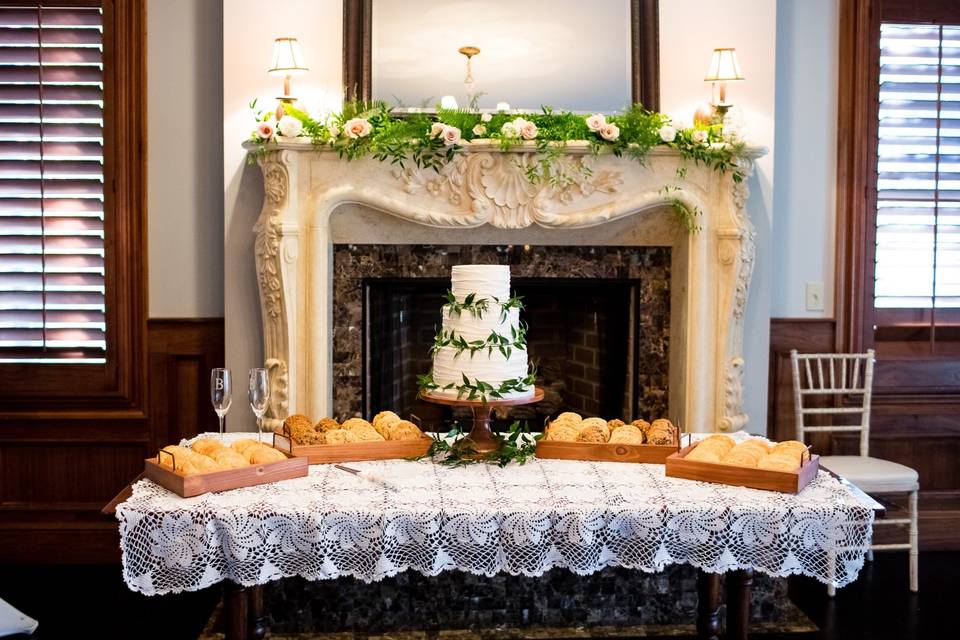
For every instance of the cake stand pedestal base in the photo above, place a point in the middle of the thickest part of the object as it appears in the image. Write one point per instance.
(481, 438)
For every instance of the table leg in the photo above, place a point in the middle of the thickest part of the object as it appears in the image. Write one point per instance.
(258, 615)
(235, 621)
(739, 584)
(708, 605)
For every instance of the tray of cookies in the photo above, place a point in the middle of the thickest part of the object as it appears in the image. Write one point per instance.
(786, 466)
(211, 465)
(385, 437)
(572, 437)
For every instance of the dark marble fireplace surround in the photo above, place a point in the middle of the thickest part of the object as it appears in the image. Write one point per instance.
(645, 269)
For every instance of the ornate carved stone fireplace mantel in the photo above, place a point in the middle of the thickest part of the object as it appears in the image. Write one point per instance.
(487, 187)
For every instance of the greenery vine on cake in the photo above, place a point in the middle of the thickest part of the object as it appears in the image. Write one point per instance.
(477, 306)
(478, 389)
(431, 140)
(504, 344)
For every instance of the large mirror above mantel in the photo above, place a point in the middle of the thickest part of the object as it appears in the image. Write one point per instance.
(414, 51)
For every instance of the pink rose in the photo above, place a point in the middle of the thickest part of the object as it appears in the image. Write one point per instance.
(528, 130)
(610, 131)
(699, 136)
(596, 122)
(265, 130)
(451, 135)
(436, 129)
(357, 128)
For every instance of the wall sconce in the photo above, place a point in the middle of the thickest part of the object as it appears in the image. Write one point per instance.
(287, 61)
(724, 68)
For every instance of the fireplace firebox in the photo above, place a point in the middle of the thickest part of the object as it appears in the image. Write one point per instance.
(598, 326)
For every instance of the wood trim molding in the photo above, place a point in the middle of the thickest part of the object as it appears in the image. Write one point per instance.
(856, 167)
(357, 38)
(57, 471)
(119, 384)
(644, 53)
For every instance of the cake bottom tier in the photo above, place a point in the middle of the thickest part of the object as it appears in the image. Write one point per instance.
(493, 368)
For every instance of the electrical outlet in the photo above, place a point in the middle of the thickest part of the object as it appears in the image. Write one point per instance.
(814, 296)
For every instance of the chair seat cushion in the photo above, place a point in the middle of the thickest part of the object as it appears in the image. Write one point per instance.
(873, 475)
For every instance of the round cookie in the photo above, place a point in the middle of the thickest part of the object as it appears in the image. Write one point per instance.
(355, 423)
(367, 434)
(615, 424)
(626, 434)
(340, 436)
(300, 428)
(563, 432)
(405, 430)
(569, 416)
(592, 434)
(326, 424)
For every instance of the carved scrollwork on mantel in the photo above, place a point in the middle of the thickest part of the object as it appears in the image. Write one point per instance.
(496, 189)
(267, 243)
(484, 185)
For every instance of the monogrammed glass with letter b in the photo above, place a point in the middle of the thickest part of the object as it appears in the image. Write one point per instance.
(221, 393)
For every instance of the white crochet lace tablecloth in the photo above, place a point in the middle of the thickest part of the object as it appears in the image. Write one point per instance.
(522, 520)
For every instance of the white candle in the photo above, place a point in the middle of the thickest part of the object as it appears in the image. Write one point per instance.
(503, 106)
(448, 102)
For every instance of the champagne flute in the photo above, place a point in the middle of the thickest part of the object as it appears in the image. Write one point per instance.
(221, 393)
(259, 395)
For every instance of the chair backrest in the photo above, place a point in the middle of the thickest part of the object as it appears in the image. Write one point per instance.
(843, 375)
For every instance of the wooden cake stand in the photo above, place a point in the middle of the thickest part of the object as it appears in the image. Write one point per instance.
(481, 436)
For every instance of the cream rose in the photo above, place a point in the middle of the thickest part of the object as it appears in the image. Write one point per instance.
(667, 133)
(610, 131)
(436, 129)
(699, 136)
(596, 122)
(486, 117)
(509, 130)
(357, 127)
(528, 130)
(479, 129)
(451, 136)
(290, 127)
(265, 130)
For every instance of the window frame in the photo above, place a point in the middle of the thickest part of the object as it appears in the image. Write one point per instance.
(858, 112)
(119, 382)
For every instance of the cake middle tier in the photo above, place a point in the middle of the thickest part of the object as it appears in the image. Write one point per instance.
(471, 327)
(493, 367)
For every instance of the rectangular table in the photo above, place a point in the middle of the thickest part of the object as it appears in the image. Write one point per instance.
(526, 519)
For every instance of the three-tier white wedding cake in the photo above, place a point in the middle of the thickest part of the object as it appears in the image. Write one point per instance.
(481, 350)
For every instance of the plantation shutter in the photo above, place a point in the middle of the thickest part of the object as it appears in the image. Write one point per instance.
(918, 170)
(51, 184)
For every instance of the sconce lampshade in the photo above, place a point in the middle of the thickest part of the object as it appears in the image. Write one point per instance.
(723, 66)
(287, 58)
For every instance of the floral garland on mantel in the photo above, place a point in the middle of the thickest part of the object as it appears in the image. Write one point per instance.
(431, 140)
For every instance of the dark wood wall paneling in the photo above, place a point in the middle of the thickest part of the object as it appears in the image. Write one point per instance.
(915, 420)
(58, 469)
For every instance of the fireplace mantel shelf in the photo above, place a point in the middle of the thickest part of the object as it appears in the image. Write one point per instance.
(488, 187)
(574, 147)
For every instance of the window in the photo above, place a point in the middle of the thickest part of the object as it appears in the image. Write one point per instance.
(52, 270)
(72, 206)
(918, 168)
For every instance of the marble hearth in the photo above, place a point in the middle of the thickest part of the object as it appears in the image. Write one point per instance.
(315, 201)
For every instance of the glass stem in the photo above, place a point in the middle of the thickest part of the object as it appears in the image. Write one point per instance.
(221, 427)
(259, 430)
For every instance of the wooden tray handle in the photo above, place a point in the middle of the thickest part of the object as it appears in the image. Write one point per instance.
(284, 437)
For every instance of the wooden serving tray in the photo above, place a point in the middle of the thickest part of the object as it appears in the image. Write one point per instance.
(196, 484)
(605, 452)
(354, 451)
(783, 481)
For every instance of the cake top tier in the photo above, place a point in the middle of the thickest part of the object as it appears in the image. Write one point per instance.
(484, 280)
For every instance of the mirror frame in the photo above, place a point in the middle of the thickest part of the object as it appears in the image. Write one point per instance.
(644, 50)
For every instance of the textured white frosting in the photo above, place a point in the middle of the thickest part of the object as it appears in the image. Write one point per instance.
(471, 328)
(492, 368)
(485, 280)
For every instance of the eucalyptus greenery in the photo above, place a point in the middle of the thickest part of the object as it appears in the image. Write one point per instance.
(477, 389)
(504, 344)
(453, 449)
(400, 138)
